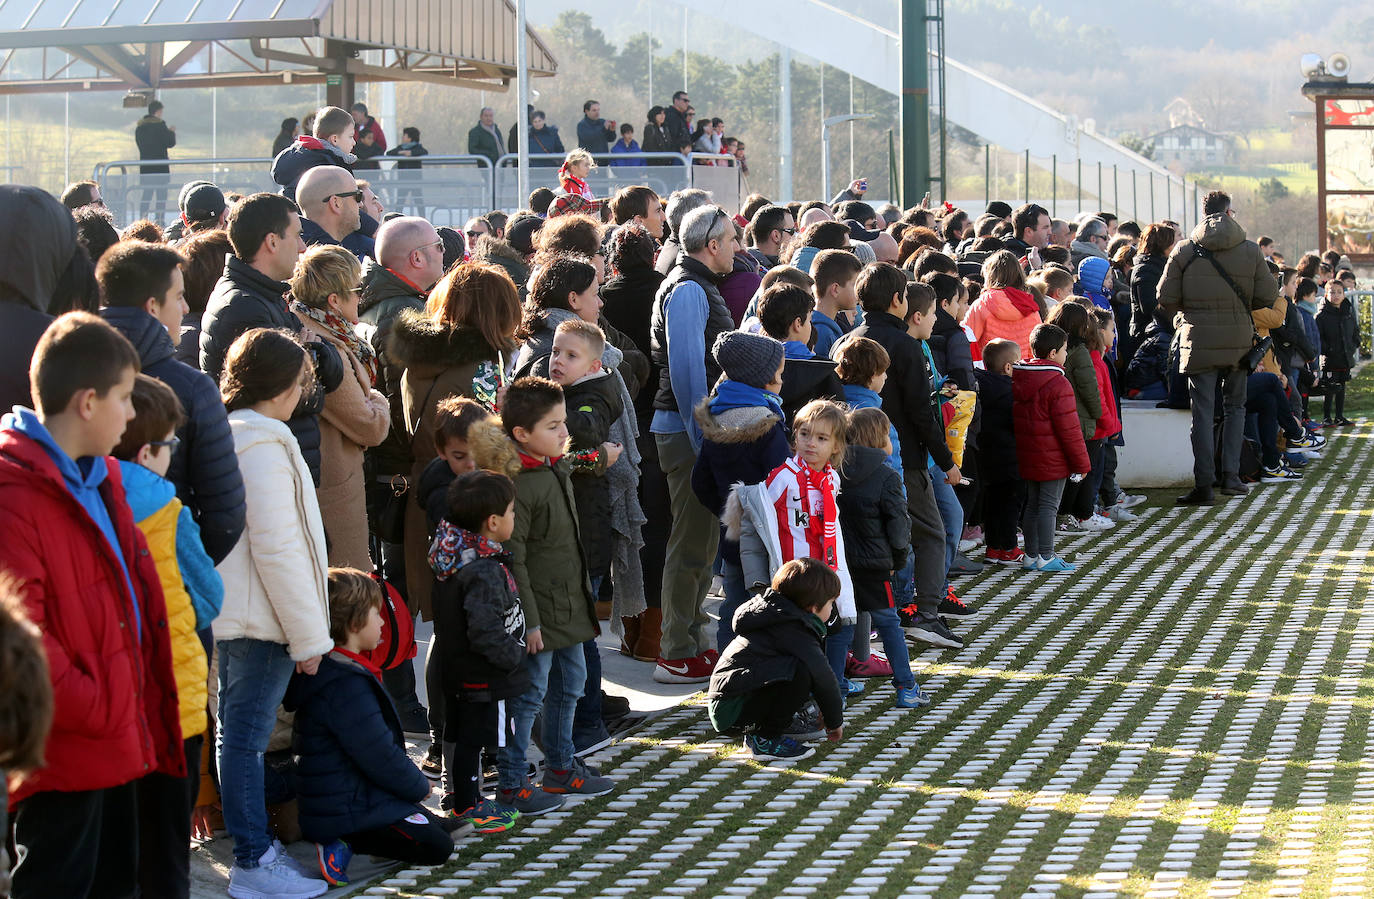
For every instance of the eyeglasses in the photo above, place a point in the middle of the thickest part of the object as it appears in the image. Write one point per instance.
(358, 290)
(173, 442)
(788, 230)
(473, 234)
(357, 195)
(425, 246)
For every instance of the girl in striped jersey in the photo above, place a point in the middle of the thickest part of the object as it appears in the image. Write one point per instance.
(793, 514)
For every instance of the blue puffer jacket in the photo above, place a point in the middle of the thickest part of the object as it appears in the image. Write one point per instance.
(205, 468)
(352, 771)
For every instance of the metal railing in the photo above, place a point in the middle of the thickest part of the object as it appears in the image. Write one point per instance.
(664, 172)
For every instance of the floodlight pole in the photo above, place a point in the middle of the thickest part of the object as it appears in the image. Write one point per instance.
(825, 145)
(522, 88)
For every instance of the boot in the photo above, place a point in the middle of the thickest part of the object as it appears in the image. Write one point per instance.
(627, 642)
(603, 610)
(650, 632)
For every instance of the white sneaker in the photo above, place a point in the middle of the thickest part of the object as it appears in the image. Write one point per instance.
(1130, 500)
(717, 586)
(1120, 513)
(966, 546)
(1101, 522)
(273, 878)
(1069, 524)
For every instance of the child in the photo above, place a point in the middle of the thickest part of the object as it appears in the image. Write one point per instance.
(1004, 490)
(1109, 425)
(949, 346)
(551, 580)
(776, 665)
(87, 581)
(482, 629)
(785, 313)
(742, 440)
(455, 415)
(194, 593)
(877, 536)
(358, 790)
(1340, 342)
(1005, 308)
(331, 144)
(800, 493)
(1049, 441)
(1076, 321)
(275, 619)
(1306, 297)
(626, 144)
(1095, 282)
(25, 704)
(1056, 284)
(835, 272)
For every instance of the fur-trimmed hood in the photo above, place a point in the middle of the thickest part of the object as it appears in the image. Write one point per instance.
(734, 426)
(418, 341)
(492, 449)
(497, 251)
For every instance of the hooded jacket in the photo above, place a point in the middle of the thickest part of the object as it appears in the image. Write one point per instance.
(352, 771)
(997, 435)
(1216, 328)
(204, 467)
(804, 380)
(593, 405)
(1340, 334)
(777, 641)
(1078, 368)
(907, 393)
(499, 252)
(1091, 273)
(478, 617)
(873, 516)
(437, 361)
(1049, 437)
(304, 154)
(1145, 277)
(32, 260)
(154, 139)
(629, 307)
(738, 446)
(357, 243)
(1109, 423)
(384, 297)
(1006, 313)
(949, 345)
(546, 549)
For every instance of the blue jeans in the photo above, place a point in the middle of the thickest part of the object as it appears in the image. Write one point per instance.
(889, 629)
(837, 650)
(951, 513)
(588, 717)
(253, 675)
(735, 596)
(561, 708)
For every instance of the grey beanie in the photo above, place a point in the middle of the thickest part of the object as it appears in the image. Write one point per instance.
(751, 359)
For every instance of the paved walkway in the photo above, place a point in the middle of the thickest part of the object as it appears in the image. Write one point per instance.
(1186, 715)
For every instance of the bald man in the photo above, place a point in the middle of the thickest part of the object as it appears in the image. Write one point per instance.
(813, 215)
(411, 249)
(331, 210)
(884, 247)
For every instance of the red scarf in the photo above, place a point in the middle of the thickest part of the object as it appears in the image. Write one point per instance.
(823, 529)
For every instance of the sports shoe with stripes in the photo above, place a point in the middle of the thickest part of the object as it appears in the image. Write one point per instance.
(577, 779)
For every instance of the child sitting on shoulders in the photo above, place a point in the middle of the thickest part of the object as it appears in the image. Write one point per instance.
(877, 536)
(481, 627)
(776, 665)
(357, 788)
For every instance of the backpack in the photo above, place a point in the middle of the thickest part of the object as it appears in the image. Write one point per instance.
(1250, 460)
(398, 629)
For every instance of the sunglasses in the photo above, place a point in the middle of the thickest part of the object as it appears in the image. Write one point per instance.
(425, 246)
(473, 234)
(357, 195)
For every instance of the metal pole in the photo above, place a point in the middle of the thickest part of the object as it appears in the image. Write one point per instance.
(987, 174)
(1080, 187)
(1100, 201)
(1116, 192)
(1027, 176)
(684, 48)
(651, 53)
(784, 124)
(852, 176)
(915, 103)
(1054, 185)
(825, 161)
(1135, 198)
(1152, 196)
(67, 138)
(1169, 201)
(522, 119)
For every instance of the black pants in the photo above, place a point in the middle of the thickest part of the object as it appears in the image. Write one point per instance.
(471, 726)
(654, 498)
(1002, 502)
(76, 845)
(1334, 391)
(410, 840)
(164, 827)
(1080, 498)
(768, 711)
(972, 497)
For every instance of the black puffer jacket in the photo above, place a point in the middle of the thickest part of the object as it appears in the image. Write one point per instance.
(593, 406)
(804, 380)
(1340, 336)
(384, 297)
(1145, 277)
(37, 242)
(997, 434)
(205, 468)
(629, 306)
(776, 640)
(873, 516)
(950, 347)
(244, 299)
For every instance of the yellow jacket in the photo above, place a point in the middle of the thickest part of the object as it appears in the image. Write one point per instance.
(188, 654)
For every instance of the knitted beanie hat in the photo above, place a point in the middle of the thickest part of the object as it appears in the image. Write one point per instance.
(751, 359)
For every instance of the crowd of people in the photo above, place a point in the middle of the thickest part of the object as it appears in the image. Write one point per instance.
(248, 449)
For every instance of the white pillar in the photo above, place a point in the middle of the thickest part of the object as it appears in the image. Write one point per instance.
(785, 125)
(522, 119)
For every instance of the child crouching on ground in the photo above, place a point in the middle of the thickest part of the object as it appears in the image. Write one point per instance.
(877, 537)
(357, 788)
(481, 630)
(775, 664)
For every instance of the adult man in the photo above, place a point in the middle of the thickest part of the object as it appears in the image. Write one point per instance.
(680, 203)
(372, 204)
(594, 134)
(265, 234)
(858, 211)
(885, 248)
(84, 193)
(689, 314)
(1030, 234)
(332, 209)
(855, 191)
(675, 121)
(1216, 279)
(1060, 236)
(477, 227)
(484, 139)
(639, 204)
(1092, 240)
(154, 138)
(203, 208)
(770, 228)
(364, 122)
(142, 287)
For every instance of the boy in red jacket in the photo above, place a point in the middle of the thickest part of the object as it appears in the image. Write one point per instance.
(1049, 442)
(90, 585)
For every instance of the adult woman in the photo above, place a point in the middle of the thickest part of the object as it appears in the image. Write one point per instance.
(204, 254)
(1155, 245)
(656, 138)
(325, 296)
(456, 347)
(572, 175)
(290, 130)
(1005, 308)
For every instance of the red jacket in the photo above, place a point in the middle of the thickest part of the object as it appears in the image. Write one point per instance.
(1049, 439)
(115, 717)
(1109, 425)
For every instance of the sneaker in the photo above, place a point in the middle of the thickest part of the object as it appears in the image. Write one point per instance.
(433, 765)
(587, 740)
(933, 630)
(489, 816)
(1030, 563)
(711, 655)
(1308, 440)
(334, 859)
(964, 565)
(1096, 523)
(613, 706)
(1198, 496)
(852, 687)
(996, 555)
(873, 666)
(975, 534)
(1013, 556)
(286, 859)
(1130, 500)
(577, 779)
(912, 697)
(806, 726)
(1120, 513)
(776, 749)
(1344, 422)
(273, 879)
(953, 605)
(1069, 524)
(529, 801)
(1328, 422)
(1055, 565)
(415, 722)
(692, 670)
(966, 545)
(1280, 472)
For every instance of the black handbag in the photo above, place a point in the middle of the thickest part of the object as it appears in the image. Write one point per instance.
(1259, 346)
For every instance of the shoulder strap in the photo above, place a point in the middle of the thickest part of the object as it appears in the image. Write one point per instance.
(1200, 252)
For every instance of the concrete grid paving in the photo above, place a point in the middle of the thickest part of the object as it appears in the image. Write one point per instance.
(1185, 715)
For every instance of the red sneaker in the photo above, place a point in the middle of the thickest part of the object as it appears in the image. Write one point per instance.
(711, 656)
(873, 666)
(997, 555)
(691, 670)
(1013, 556)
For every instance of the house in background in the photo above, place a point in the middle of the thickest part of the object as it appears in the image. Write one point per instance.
(1190, 146)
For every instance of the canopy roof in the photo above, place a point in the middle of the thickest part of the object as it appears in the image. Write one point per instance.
(60, 45)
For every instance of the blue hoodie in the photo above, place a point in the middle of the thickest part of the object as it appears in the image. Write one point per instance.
(1092, 271)
(148, 492)
(862, 398)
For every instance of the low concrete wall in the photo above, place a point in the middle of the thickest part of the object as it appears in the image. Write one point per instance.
(1158, 452)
